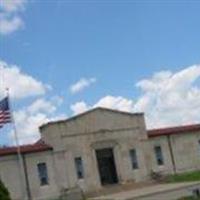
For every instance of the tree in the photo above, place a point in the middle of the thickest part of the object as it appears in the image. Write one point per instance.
(4, 193)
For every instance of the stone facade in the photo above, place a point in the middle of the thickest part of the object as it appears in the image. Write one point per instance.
(80, 138)
(185, 151)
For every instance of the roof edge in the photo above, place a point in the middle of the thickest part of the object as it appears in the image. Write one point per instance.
(25, 149)
(173, 130)
(89, 111)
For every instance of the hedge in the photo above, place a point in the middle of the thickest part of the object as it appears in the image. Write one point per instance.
(4, 193)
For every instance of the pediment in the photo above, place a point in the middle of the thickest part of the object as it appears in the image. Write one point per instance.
(99, 119)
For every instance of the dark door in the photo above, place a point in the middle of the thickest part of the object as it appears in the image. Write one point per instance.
(106, 165)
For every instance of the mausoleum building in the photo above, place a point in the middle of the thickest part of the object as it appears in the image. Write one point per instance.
(95, 149)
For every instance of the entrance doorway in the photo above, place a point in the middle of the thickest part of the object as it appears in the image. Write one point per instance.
(106, 165)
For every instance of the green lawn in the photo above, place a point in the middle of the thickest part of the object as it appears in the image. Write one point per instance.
(184, 177)
(189, 198)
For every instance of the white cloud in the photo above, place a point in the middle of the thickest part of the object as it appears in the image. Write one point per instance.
(40, 111)
(57, 100)
(79, 107)
(12, 5)
(81, 84)
(118, 103)
(42, 105)
(167, 99)
(27, 126)
(10, 20)
(28, 120)
(20, 84)
(10, 25)
(171, 98)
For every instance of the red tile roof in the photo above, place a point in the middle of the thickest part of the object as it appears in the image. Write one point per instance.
(31, 148)
(40, 145)
(173, 130)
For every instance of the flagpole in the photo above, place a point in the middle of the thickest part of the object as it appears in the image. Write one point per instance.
(19, 155)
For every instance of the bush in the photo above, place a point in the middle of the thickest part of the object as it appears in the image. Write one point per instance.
(4, 193)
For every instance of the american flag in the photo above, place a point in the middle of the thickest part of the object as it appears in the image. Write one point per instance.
(5, 115)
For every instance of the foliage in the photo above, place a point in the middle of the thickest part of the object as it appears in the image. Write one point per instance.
(4, 193)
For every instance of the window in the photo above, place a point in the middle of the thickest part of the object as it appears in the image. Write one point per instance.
(42, 173)
(79, 167)
(159, 155)
(134, 160)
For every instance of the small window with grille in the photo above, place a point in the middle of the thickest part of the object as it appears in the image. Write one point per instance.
(134, 160)
(159, 155)
(79, 167)
(43, 174)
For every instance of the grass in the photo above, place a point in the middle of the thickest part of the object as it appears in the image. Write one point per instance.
(189, 198)
(184, 177)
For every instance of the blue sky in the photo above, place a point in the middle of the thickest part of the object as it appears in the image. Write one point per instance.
(111, 46)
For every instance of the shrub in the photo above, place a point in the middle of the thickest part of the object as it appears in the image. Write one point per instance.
(4, 193)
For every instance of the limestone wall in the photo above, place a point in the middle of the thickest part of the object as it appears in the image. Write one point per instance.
(10, 174)
(97, 130)
(185, 149)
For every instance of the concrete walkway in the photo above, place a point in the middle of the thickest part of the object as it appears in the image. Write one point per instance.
(160, 191)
